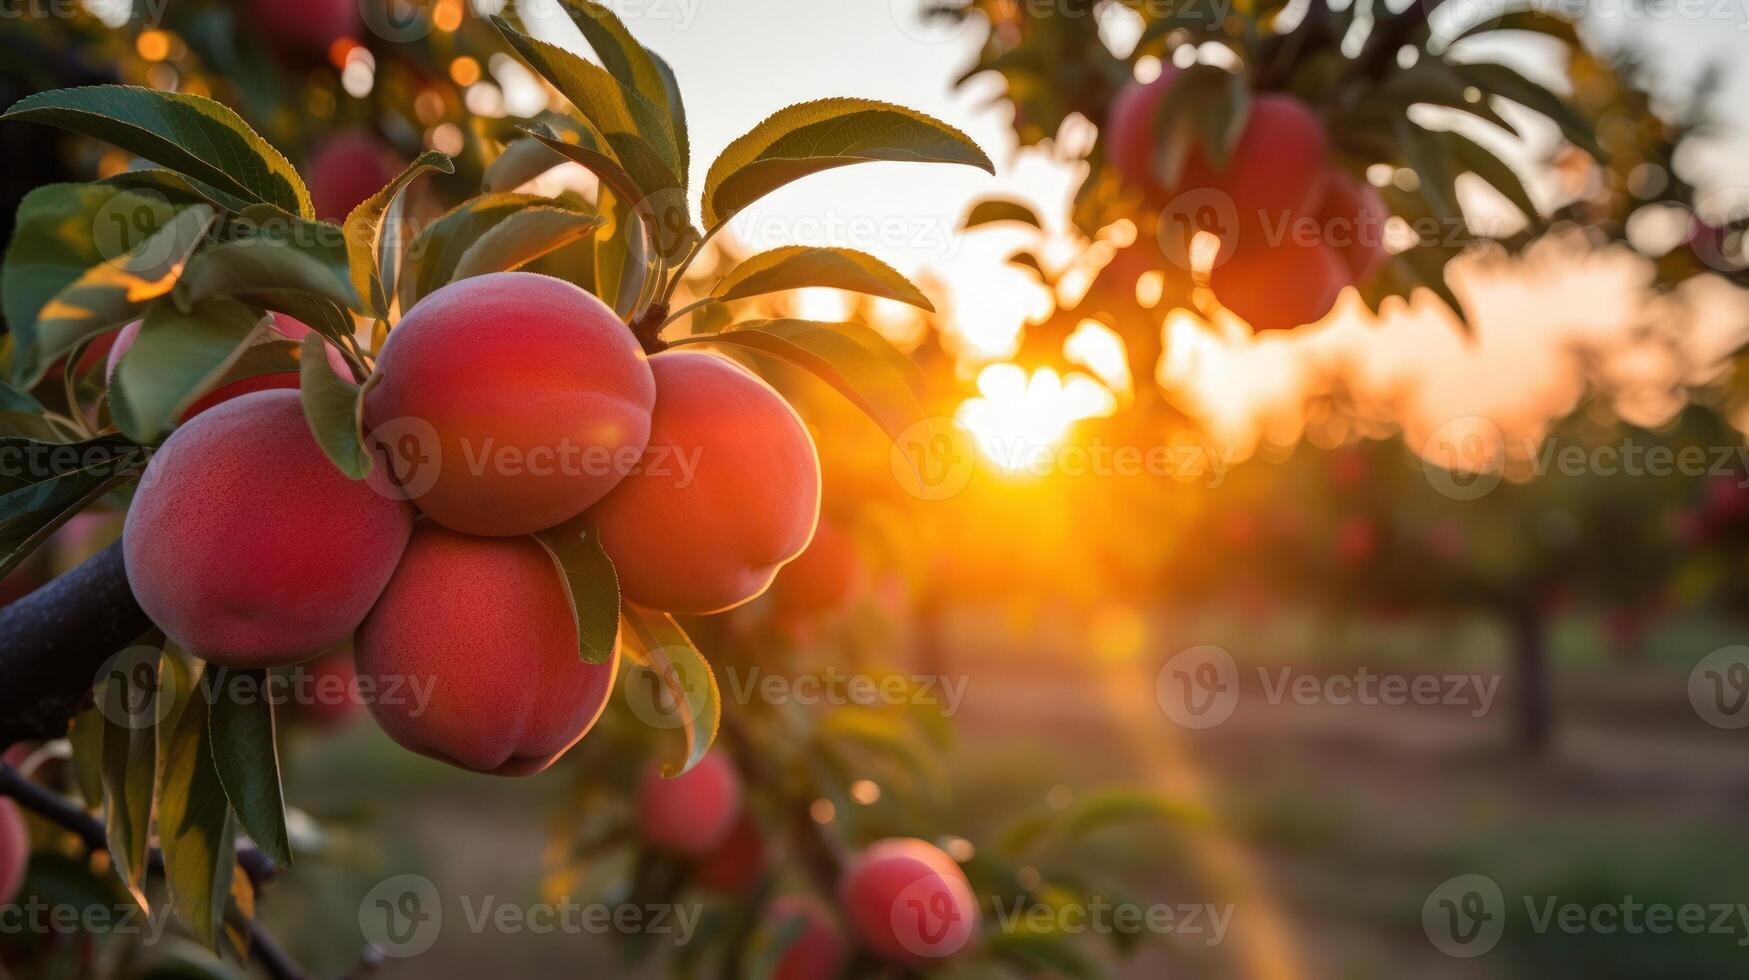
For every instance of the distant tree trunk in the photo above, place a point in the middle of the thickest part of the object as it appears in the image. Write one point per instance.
(1533, 700)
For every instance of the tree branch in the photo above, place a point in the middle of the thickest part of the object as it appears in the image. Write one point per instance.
(39, 799)
(54, 641)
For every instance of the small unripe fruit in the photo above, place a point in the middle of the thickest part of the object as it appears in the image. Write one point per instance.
(693, 813)
(14, 850)
(909, 901)
(1353, 216)
(346, 169)
(248, 547)
(528, 399)
(736, 864)
(479, 638)
(817, 952)
(728, 490)
(1280, 286)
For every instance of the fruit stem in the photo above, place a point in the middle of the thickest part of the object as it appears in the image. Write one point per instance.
(648, 328)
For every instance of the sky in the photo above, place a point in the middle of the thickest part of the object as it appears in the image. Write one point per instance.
(739, 60)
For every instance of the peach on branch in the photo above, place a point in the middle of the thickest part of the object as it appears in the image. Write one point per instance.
(527, 400)
(248, 547)
(909, 901)
(1279, 285)
(346, 169)
(1352, 217)
(14, 850)
(736, 864)
(302, 31)
(694, 813)
(823, 578)
(726, 493)
(472, 655)
(816, 952)
(280, 327)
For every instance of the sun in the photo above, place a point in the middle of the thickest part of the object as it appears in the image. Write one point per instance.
(1017, 419)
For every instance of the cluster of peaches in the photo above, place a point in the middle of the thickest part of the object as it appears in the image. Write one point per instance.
(500, 407)
(1295, 229)
(904, 899)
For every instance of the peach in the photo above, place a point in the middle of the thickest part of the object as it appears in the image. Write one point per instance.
(823, 578)
(14, 850)
(736, 864)
(529, 398)
(728, 490)
(327, 690)
(909, 901)
(248, 547)
(303, 31)
(282, 327)
(1279, 286)
(346, 169)
(1352, 217)
(816, 952)
(479, 637)
(1276, 170)
(693, 813)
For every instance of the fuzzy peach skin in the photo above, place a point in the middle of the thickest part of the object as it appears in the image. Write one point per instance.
(478, 636)
(248, 547)
(1280, 286)
(282, 328)
(908, 901)
(693, 813)
(539, 399)
(818, 952)
(14, 850)
(1276, 170)
(728, 490)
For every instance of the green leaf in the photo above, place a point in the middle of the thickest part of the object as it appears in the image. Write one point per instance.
(855, 360)
(196, 828)
(1043, 954)
(1508, 84)
(638, 134)
(432, 258)
(1432, 81)
(43, 484)
(663, 213)
(627, 60)
(130, 766)
(13, 400)
(246, 756)
(522, 160)
(523, 237)
(817, 136)
(622, 260)
(662, 647)
(274, 251)
(189, 134)
(1475, 159)
(132, 248)
(1424, 154)
(591, 584)
(997, 210)
(372, 276)
(1097, 811)
(801, 266)
(333, 407)
(178, 187)
(85, 739)
(177, 358)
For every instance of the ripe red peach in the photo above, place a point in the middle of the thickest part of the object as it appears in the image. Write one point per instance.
(693, 813)
(1352, 217)
(303, 31)
(248, 547)
(909, 901)
(823, 578)
(728, 490)
(736, 864)
(1276, 170)
(346, 169)
(817, 952)
(528, 398)
(327, 691)
(471, 655)
(281, 327)
(14, 850)
(1280, 285)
